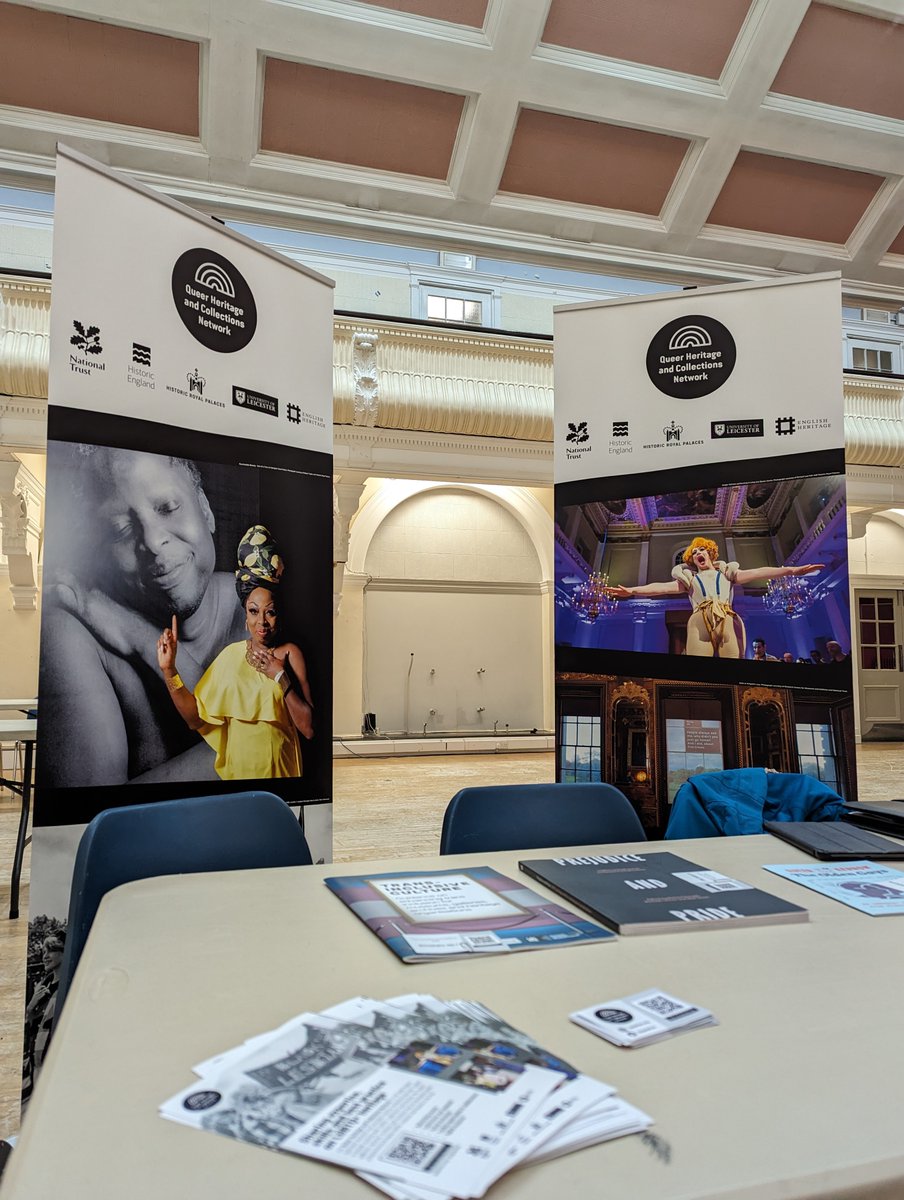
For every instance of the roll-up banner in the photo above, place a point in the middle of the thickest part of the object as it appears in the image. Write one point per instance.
(702, 603)
(186, 640)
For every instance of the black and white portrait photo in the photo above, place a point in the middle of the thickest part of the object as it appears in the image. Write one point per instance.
(142, 597)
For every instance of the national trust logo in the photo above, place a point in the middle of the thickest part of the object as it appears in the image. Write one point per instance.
(87, 340)
(578, 439)
(213, 300)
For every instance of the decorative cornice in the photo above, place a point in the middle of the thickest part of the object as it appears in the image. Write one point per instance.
(416, 400)
(24, 337)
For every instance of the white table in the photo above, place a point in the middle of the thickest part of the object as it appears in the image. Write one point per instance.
(23, 730)
(797, 1093)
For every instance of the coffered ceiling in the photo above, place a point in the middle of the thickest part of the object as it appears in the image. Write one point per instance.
(695, 140)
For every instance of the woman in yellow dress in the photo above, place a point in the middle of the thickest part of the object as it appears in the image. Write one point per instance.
(253, 700)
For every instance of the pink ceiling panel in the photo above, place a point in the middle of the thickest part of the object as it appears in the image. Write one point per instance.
(793, 198)
(847, 59)
(98, 71)
(585, 162)
(459, 12)
(692, 36)
(358, 119)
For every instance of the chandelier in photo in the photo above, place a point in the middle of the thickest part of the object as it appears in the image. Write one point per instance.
(591, 599)
(788, 596)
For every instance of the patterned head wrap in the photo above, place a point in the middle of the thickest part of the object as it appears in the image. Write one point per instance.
(259, 565)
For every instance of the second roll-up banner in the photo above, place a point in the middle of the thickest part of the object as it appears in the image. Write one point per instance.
(702, 603)
(186, 641)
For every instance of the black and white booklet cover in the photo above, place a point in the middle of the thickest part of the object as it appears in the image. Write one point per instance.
(658, 893)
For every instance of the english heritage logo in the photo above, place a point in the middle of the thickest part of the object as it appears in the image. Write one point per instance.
(736, 429)
(299, 416)
(88, 341)
(139, 374)
(785, 425)
(258, 401)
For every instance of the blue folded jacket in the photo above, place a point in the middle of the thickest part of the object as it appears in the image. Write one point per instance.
(729, 803)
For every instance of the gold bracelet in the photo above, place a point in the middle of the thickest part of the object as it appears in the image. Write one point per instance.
(175, 684)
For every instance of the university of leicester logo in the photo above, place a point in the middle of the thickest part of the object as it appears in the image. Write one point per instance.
(196, 382)
(718, 429)
(577, 432)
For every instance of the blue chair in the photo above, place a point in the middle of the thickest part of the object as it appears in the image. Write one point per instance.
(239, 831)
(526, 816)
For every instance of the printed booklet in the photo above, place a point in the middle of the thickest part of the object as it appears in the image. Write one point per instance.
(658, 893)
(869, 887)
(429, 915)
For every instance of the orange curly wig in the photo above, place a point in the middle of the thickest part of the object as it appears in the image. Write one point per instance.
(700, 543)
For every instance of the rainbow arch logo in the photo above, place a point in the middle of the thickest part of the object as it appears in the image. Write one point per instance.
(689, 336)
(211, 275)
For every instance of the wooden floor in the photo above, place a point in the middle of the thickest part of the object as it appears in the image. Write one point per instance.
(383, 808)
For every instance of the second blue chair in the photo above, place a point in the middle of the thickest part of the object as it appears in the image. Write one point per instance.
(527, 816)
(239, 831)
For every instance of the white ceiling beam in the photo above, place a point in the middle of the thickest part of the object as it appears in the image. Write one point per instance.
(760, 49)
(483, 146)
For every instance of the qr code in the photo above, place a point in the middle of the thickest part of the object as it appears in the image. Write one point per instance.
(414, 1152)
(661, 1005)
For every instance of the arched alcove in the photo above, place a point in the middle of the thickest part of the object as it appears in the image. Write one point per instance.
(456, 589)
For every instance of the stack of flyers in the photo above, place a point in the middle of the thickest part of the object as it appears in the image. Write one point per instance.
(425, 1099)
(642, 1018)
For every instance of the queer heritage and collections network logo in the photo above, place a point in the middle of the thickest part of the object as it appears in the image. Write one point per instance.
(213, 300)
(691, 357)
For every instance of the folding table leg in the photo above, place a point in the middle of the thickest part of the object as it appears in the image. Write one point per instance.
(21, 837)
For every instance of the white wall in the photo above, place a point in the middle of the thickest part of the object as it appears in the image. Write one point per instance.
(19, 641)
(454, 634)
(455, 580)
(881, 551)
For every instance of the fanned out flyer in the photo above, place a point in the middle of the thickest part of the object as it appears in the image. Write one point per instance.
(430, 915)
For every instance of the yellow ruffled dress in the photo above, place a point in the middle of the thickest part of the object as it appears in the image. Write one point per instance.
(246, 720)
